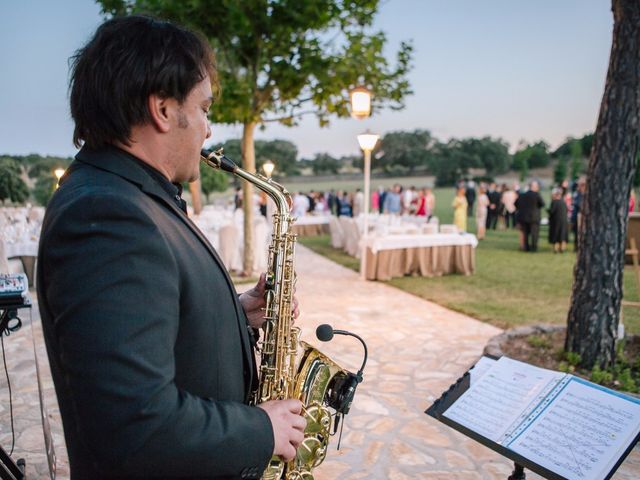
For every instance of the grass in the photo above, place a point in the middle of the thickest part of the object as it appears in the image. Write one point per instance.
(510, 288)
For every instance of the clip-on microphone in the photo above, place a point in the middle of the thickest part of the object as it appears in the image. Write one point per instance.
(344, 392)
(325, 333)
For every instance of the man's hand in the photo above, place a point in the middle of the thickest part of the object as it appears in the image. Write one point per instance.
(253, 303)
(288, 426)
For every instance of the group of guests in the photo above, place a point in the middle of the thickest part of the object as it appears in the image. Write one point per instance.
(396, 200)
(520, 208)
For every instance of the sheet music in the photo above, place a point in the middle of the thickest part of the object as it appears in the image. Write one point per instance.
(480, 368)
(502, 398)
(582, 432)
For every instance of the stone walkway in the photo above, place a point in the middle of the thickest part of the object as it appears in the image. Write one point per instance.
(416, 350)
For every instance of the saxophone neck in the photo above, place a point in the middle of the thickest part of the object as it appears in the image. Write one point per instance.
(279, 194)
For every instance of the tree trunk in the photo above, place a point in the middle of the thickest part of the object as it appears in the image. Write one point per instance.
(597, 289)
(248, 164)
(196, 196)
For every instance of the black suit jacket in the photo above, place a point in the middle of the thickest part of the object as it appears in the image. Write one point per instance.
(148, 344)
(529, 205)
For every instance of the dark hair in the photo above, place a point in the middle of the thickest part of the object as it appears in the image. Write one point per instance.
(128, 59)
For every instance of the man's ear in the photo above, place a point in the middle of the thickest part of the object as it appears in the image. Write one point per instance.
(159, 109)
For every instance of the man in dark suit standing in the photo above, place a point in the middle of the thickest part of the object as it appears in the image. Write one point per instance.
(529, 205)
(494, 206)
(147, 339)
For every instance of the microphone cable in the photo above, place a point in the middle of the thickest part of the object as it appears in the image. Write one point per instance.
(6, 371)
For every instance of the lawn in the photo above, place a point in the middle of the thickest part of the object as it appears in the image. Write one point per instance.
(509, 288)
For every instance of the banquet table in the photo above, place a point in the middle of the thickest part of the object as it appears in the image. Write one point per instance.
(425, 255)
(26, 251)
(311, 225)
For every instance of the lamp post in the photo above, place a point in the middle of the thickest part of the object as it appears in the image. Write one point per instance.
(367, 143)
(268, 167)
(361, 108)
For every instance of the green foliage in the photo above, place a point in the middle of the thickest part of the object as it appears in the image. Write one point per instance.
(536, 155)
(601, 377)
(452, 161)
(521, 164)
(40, 169)
(577, 160)
(560, 171)
(281, 152)
(281, 59)
(44, 188)
(573, 358)
(323, 163)
(410, 150)
(626, 381)
(212, 180)
(537, 341)
(12, 186)
(586, 143)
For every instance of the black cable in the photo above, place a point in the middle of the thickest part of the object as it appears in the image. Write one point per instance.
(4, 360)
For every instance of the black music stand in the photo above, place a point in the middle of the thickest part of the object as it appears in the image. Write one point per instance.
(9, 322)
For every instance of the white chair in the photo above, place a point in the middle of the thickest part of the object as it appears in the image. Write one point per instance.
(229, 238)
(352, 238)
(260, 244)
(13, 265)
(448, 228)
(337, 234)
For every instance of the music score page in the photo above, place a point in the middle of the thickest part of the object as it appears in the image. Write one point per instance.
(502, 398)
(581, 433)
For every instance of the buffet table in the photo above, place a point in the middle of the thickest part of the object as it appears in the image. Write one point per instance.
(426, 255)
(311, 226)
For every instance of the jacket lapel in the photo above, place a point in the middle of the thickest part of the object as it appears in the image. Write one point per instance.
(120, 163)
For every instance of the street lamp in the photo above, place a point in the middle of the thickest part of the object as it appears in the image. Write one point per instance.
(268, 167)
(360, 102)
(367, 143)
(58, 172)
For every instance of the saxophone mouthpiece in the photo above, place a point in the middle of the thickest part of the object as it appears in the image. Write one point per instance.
(218, 159)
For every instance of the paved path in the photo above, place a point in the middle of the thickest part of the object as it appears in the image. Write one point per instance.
(416, 350)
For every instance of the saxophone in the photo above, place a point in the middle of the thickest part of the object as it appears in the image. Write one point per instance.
(290, 368)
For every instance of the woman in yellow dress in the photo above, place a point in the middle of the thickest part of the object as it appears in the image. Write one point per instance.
(460, 210)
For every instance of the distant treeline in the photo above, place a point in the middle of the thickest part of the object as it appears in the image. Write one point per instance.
(402, 153)
(30, 177)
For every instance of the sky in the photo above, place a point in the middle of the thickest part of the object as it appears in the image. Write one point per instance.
(514, 69)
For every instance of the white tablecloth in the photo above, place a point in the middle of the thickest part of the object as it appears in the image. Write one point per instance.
(394, 242)
(312, 220)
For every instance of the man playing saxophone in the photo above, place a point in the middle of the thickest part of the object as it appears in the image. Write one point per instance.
(147, 339)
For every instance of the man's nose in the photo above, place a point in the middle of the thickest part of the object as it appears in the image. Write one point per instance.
(208, 130)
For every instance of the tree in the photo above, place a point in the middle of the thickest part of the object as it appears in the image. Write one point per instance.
(282, 152)
(521, 164)
(324, 163)
(281, 59)
(405, 149)
(592, 322)
(212, 180)
(488, 153)
(560, 171)
(12, 187)
(450, 162)
(577, 160)
(534, 155)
